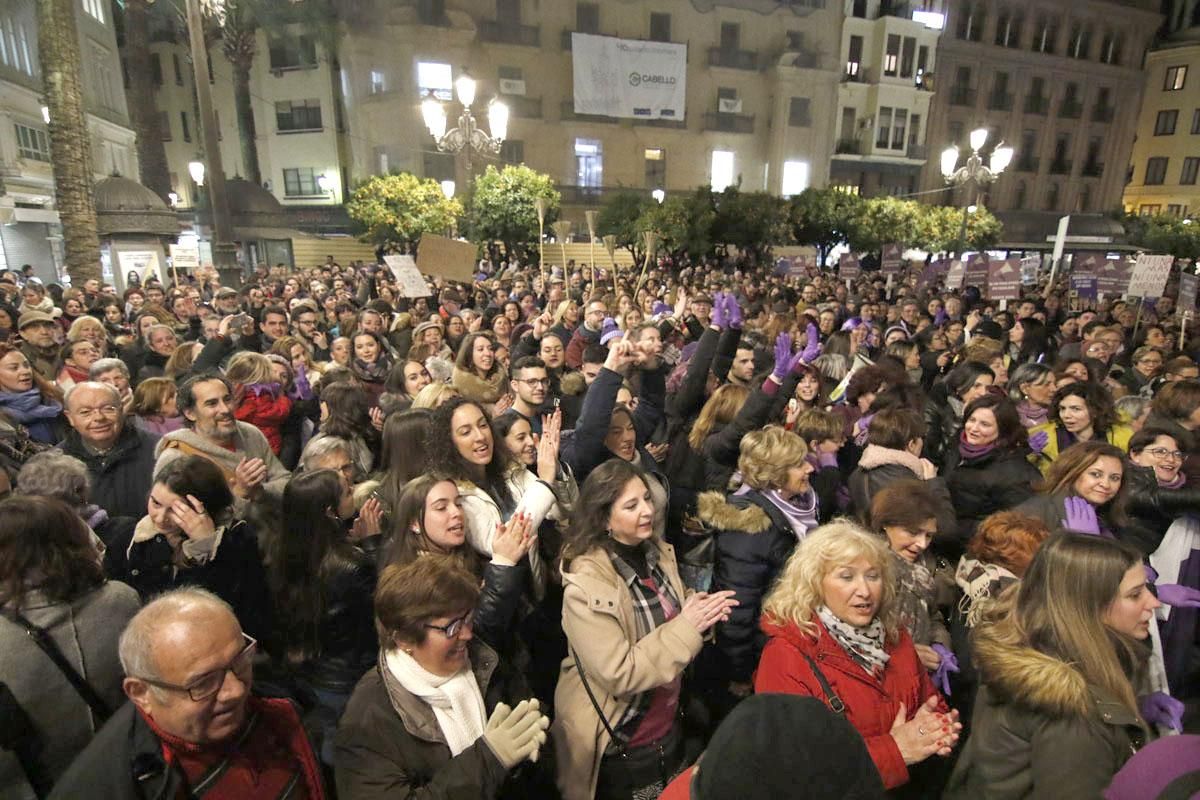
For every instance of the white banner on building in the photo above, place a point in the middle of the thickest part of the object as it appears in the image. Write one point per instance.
(628, 77)
(143, 262)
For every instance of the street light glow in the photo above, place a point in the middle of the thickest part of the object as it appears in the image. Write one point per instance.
(196, 170)
(173, 197)
(464, 88)
(978, 138)
(324, 183)
(659, 195)
(949, 160)
(435, 115)
(46, 114)
(448, 188)
(498, 119)
(1001, 157)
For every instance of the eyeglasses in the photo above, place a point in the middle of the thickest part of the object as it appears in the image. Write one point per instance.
(1162, 452)
(452, 629)
(86, 414)
(210, 683)
(534, 382)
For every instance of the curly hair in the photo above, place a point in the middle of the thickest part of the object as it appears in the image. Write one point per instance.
(444, 457)
(1008, 539)
(1098, 401)
(766, 455)
(798, 591)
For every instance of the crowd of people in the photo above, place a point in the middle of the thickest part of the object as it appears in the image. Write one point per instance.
(711, 531)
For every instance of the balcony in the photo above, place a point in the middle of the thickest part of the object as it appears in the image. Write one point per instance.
(1028, 165)
(862, 75)
(565, 39)
(850, 147)
(733, 59)
(568, 114)
(1060, 166)
(674, 124)
(917, 152)
(1070, 109)
(523, 107)
(1000, 101)
(729, 123)
(1092, 169)
(583, 195)
(1037, 105)
(1103, 114)
(509, 33)
(962, 96)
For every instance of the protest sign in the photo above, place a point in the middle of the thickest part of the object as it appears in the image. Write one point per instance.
(185, 256)
(1004, 279)
(848, 267)
(1188, 284)
(408, 277)
(1150, 275)
(783, 266)
(1030, 265)
(143, 262)
(977, 270)
(892, 259)
(450, 258)
(1083, 286)
(1112, 277)
(956, 273)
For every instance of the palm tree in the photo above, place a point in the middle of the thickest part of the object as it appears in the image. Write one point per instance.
(70, 145)
(238, 40)
(143, 100)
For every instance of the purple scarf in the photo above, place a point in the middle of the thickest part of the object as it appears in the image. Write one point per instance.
(1032, 414)
(800, 511)
(1180, 480)
(969, 451)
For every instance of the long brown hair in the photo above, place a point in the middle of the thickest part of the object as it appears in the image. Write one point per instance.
(407, 539)
(1074, 461)
(589, 523)
(45, 546)
(720, 409)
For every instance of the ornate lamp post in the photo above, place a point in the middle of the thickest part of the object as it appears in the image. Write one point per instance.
(467, 137)
(974, 173)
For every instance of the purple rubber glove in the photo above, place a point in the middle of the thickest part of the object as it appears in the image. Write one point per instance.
(812, 344)
(825, 459)
(1159, 708)
(1080, 516)
(948, 664)
(843, 497)
(783, 356)
(1151, 574)
(1038, 442)
(719, 317)
(301, 389)
(941, 317)
(733, 311)
(1177, 596)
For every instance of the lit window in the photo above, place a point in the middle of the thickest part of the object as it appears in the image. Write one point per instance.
(722, 170)
(1176, 77)
(95, 9)
(930, 19)
(795, 177)
(589, 163)
(32, 143)
(378, 85)
(14, 46)
(436, 77)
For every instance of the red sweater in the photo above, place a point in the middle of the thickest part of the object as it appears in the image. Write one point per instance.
(266, 412)
(871, 705)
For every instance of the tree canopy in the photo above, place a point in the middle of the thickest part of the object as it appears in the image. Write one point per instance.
(503, 209)
(393, 211)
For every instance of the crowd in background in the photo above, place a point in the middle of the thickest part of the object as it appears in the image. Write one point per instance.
(707, 531)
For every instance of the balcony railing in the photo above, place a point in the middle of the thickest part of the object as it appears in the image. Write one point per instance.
(1028, 164)
(568, 113)
(1000, 101)
(1061, 166)
(1103, 114)
(509, 33)
(675, 124)
(1037, 105)
(524, 107)
(917, 151)
(851, 147)
(1092, 169)
(962, 96)
(733, 59)
(583, 195)
(729, 123)
(1070, 109)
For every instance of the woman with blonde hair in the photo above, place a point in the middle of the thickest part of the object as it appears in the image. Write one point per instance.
(1060, 656)
(179, 365)
(833, 632)
(259, 398)
(154, 406)
(434, 394)
(92, 329)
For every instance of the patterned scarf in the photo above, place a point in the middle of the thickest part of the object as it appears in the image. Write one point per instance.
(864, 645)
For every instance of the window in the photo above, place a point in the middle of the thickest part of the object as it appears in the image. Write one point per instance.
(298, 115)
(32, 143)
(795, 178)
(436, 77)
(891, 57)
(1081, 41)
(95, 9)
(883, 134)
(860, 9)
(439, 166)
(14, 46)
(164, 125)
(922, 58)
(156, 69)
(1176, 210)
(587, 17)
(1191, 165)
(431, 12)
(908, 54)
(1008, 28)
(848, 115)
(1045, 33)
(970, 22)
(300, 182)
(1110, 48)
(1164, 123)
(914, 130)
(722, 170)
(656, 168)
(798, 112)
(184, 127)
(589, 163)
(727, 100)
(1176, 77)
(298, 52)
(103, 82)
(1052, 197)
(1156, 171)
(1196, 120)
(731, 36)
(378, 84)
(899, 124)
(1148, 210)
(178, 69)
(512, 151)
(854, 56)
(660, 27)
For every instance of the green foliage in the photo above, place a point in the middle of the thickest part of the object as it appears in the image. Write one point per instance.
(822, 218)
(1164, 234)
(882, 220)
(621, 216)
(503, 209)
(684, 224)
(393, 211)
(749, 221)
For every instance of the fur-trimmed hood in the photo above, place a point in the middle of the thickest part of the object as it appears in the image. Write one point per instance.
(479, 389)
(1017, 673)
(717, 512)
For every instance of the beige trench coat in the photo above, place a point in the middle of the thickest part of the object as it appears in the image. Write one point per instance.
(598, 618)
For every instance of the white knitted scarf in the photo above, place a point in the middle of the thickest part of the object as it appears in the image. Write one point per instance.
(456, 701)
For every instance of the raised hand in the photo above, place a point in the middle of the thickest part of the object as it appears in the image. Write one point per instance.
(620, 356)
(720, 313)
(1080, 516)
(377, 418)
(192, 519)
(733, 311)
(704, 610)
(783, 356)
(249, 475)
(503, 404)
(547, 451)
(514, 538)
(812, 343)
(369, 521)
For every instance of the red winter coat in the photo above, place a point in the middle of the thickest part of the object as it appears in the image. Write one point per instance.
(266, 412)
(871, 706)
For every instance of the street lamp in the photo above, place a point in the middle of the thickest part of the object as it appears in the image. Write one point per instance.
(659, 195)
(196, 170)
(466, 137)
(974, 172)
(448, 188)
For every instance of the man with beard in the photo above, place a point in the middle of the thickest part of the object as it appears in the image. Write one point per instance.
(37, 334)
(530, 383)
(238, 448)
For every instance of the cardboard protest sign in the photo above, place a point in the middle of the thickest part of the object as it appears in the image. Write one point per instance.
(1150, 275)
(892, 259)
(783, 266)
(848, 267)
(185, 256)
(929, 273)
(1030, 265)
(450, 258)
(1004, 279)
(977, 270)
(1188, 284)
(408, 277)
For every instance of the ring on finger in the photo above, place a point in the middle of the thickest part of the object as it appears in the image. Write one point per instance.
(921, 731)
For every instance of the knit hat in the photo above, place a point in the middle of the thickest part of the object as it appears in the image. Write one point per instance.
(424, 326)
(1165, 768)
(609, 331)
(32, 317)
(770, 744)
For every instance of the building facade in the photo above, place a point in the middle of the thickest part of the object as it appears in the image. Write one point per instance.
(30, 233)
(1166, 155)
(1058, 82)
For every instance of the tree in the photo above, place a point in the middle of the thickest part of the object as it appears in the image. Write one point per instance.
(822, 218)
(882, 220)
(750, 221)
(1164, 234)
(70, 144)
(621, 216)
(503, 210)
(239, 35)
(393, 211)
(143, 100)
(684, 224)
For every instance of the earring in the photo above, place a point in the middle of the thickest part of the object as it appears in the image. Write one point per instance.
(408, 650)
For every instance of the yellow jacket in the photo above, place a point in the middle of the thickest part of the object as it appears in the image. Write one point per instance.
(1118, 435)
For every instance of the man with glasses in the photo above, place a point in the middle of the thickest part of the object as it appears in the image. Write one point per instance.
(305, 325)
(587, 333)
(192, 728)
(530, 384)
(119, 457)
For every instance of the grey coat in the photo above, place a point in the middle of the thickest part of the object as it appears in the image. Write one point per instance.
(86, 631)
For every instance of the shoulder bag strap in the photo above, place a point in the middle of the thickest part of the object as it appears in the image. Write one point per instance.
(835, 702)
(604, 720)
(47, 646)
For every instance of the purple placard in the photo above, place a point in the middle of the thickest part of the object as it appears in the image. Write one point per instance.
(1112, 277)
(1188, 284)
(1083, 285)
(977, 270)
(848, 267)
(1004, 279)
(892, 259)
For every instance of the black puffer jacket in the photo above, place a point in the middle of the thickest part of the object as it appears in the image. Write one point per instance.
(1051, 509)
(880, 467)
(346, 631)
(753, 542)
(121, 477)
(1154, 506)
(998, 481)
(942, 425)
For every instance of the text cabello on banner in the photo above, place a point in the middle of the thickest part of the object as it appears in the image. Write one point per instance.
(628, 77)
